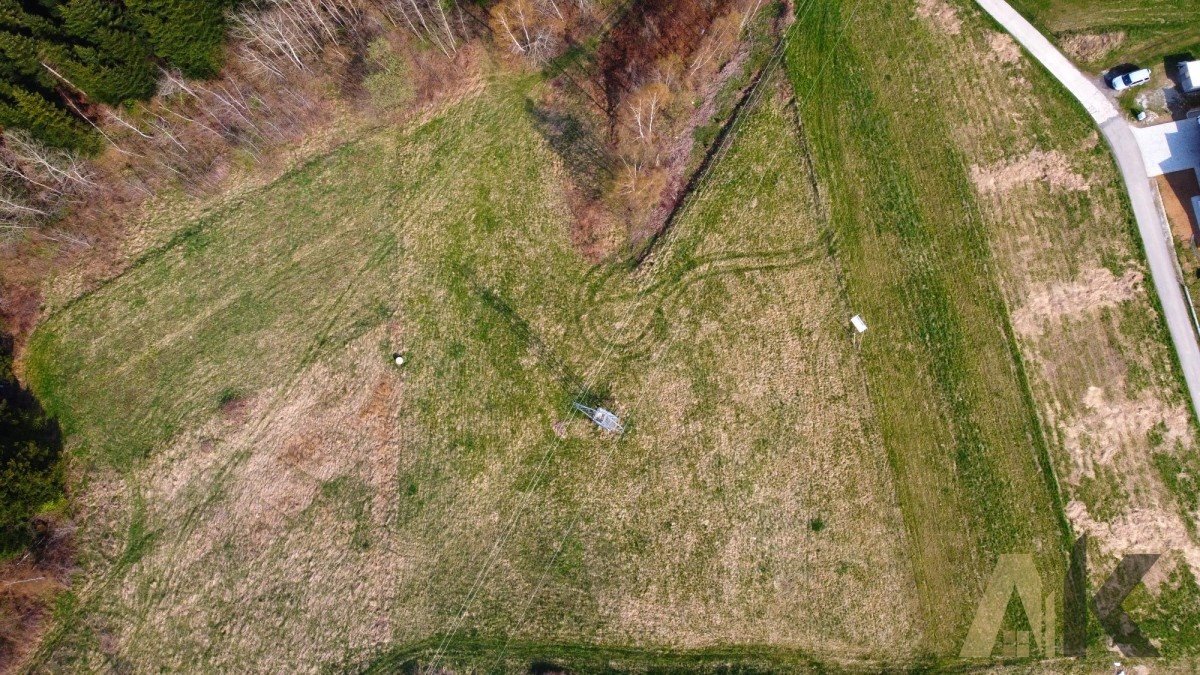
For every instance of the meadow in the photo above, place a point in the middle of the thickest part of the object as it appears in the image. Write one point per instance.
(260, 486)
(1117, 423)
(262, 474)
(955, 413)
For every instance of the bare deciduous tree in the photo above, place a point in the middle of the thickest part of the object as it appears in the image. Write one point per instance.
(63, 168)
(531, 28)
(36, 182)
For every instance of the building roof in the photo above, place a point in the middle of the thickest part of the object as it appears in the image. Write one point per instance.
(1190, 73)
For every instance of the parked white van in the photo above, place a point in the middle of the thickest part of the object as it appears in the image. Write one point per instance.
(1128, 80)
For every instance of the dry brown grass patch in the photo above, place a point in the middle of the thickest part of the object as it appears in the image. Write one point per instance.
(1140, 530)
(1051, 167)
(337, 422)
(1110, 423)
(1091, 47)
(1094, 289)
(1004, 48)
(941, 15)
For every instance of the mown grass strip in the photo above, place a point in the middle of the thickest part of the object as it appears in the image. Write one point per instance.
(958, 428)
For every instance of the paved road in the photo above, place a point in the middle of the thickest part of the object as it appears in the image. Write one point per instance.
(1150, 221)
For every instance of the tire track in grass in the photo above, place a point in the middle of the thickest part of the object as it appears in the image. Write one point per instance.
(611, 288)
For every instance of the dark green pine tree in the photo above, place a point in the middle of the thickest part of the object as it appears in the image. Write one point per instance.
(56, 51)
(32, 17)
(107, 57)
(49, 123)
(29, 96)
(21, 62)
(188, 34)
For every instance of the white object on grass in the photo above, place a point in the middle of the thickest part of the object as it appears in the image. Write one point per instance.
(603, 418)
(858, 323)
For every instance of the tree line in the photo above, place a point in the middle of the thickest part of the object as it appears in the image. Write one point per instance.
(57, 55)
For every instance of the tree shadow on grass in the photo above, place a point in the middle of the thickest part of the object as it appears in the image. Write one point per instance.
(30, 450)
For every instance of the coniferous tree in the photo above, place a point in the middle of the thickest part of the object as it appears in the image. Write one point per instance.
(31, 98)
(188, 34)
(54, 53)
(47, 122)
(20, 62)
(108, 59)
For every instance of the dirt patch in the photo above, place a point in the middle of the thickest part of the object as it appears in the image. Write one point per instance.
(1177, 189)
(941, 15)
(1004, 48)
(20, 306)
(235, 409)
(1051, 167)
(24, 606)
(1091, 47)
(1095, 289)
(595, 234)
(1111, 422)
(1153, 100)
(1146, 530)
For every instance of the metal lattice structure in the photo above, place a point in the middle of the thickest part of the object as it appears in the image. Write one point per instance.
(603, 418)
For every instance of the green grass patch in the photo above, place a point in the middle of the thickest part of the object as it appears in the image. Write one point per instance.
(469, 482)
(1154, 29)
(1171, 614)
(944, 378)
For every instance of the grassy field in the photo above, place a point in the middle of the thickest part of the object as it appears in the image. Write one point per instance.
(1150, 29)
(1097, 357)
(954, 411)
(267, 489)
(260, 486)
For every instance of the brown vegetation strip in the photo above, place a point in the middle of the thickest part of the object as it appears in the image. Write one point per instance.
(713, 152)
